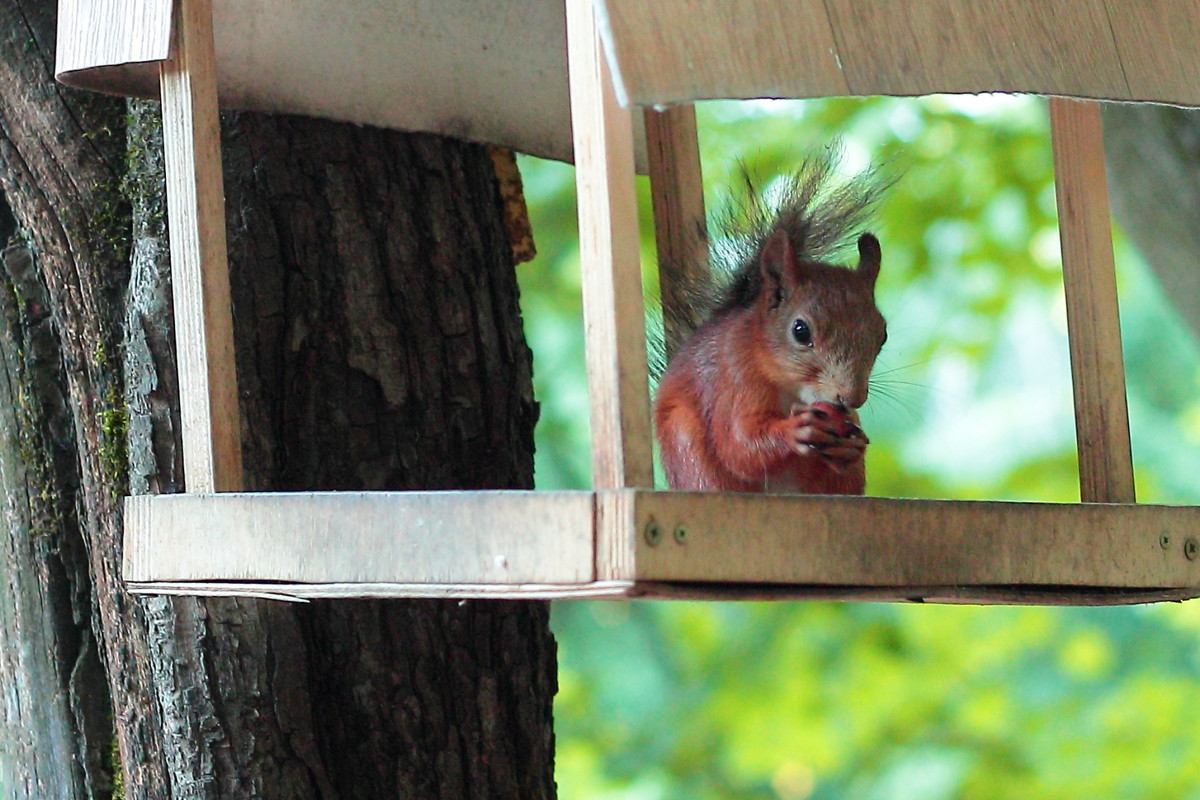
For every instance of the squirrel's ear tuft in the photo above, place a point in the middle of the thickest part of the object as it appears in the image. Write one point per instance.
(869, 256)
(776, 265)
(781, 272)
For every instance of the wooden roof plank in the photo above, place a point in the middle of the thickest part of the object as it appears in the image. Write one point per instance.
(911, 48)
(1157, 44)
(686, 50)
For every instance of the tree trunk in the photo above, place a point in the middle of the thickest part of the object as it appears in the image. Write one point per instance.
(379, 347)
(1154, 167)
(55, 724)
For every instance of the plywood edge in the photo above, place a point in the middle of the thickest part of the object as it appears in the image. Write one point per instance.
(122, 80)
(300, 592)
(946, 595)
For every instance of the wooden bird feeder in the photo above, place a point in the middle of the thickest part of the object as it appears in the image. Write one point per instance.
(623, 538)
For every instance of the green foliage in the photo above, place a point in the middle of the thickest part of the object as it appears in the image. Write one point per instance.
(972, 400)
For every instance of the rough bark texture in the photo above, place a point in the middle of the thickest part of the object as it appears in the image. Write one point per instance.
(379, 346)
(1154, 167)
(55, 721)
(59, 158)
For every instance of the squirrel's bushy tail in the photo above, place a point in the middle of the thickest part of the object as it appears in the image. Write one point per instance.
(822, 211)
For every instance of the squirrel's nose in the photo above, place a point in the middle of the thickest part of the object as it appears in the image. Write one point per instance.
(853, 399)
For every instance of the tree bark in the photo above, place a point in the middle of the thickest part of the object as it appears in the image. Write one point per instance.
(60, 157)
(55, 722)
(379, 347)
(1154, 167)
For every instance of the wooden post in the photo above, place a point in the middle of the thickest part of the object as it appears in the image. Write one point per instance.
(212, 453)
(677, 189)
(613, 312)
(1093, 322)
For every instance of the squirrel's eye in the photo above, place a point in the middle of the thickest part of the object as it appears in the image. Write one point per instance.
(802, 333)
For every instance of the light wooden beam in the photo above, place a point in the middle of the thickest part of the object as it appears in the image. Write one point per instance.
(613, 312)
(677, 190)
(1093, 320)
(362, 537)
(212, 454)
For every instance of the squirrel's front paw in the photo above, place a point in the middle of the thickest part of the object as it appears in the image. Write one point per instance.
(827, 431)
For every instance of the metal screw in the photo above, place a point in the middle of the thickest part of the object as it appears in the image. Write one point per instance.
(1164, 541)
(653, 533)
(681, 534)
(1191, 548)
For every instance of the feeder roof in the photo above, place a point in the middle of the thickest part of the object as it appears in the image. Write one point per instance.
(496, 71)
(480, 71)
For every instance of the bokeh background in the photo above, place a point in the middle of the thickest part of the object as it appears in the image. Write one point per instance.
(789, 701)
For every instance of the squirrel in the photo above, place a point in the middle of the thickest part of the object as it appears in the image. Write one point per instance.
(762, 395)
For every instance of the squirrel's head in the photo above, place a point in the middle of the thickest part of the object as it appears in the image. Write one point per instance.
(821, 327)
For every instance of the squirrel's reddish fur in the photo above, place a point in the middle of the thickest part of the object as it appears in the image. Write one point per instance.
(743, 404)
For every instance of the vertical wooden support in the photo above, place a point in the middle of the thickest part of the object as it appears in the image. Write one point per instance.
(613, 312)
(1093, 322)
(212, 451)
(677, 189)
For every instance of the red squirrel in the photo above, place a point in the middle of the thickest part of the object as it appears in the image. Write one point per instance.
(762, 395)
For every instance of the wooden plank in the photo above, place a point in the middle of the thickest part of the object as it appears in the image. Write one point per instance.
(614, 553)
(879, 542)
(1093, 321)
(674, 545)
(1156, 40)
(672, 52)
(505, 538)
(656, 590)
(97, 33)
(677, 191)
(303, 592)
(614, 316)
(211, 421)
(951, 595)
(926, 46)
(680, 52)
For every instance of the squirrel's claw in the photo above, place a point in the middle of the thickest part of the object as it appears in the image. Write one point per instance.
(834, 437)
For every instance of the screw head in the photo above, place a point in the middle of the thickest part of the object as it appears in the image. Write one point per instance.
(1164, 540)
(1191, 548)
(652, 533)
(681, 534)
